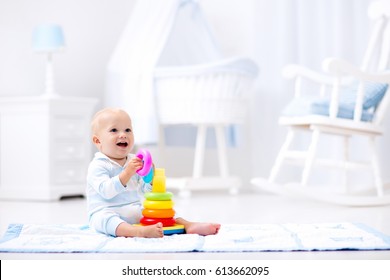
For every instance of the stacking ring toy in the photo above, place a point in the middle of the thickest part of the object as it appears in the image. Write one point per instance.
(147, 159)
(158, 196)
(167, 222)
(150, 204)
(158, 213)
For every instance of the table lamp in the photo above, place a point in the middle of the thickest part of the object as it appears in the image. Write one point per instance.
(48, 39)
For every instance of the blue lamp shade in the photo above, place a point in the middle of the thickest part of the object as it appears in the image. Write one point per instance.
(48, 38)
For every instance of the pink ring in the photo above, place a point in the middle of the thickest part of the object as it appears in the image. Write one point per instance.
(147, 159)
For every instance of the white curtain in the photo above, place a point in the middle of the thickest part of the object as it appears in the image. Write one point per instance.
(129, 74)
(169, 32)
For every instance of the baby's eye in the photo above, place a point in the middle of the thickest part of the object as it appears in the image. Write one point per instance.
(114, 130)
(128, 130)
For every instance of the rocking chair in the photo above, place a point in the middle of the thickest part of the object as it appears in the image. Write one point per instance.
(352, 102)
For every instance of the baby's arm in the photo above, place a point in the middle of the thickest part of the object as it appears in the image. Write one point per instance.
(131, 168)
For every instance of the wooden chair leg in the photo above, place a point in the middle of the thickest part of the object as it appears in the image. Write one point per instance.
(281, 156)
(310, 157)
(375, 168)
(346, 160)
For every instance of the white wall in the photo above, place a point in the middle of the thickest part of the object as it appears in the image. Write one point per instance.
(91, 30)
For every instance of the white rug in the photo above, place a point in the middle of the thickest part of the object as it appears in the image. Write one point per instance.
(35, 238)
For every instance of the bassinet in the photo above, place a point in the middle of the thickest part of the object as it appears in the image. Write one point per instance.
(214, 95)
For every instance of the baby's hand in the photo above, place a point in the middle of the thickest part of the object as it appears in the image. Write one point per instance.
(131, 168)
(134, 165)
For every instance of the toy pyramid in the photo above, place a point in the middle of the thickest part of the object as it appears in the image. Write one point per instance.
(158, 204)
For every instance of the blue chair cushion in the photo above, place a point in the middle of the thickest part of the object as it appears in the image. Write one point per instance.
(300, 107)
(374, 93)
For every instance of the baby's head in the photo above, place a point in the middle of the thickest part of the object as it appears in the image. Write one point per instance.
(112, 133)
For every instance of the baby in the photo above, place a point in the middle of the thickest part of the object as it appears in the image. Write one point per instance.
(114, 189)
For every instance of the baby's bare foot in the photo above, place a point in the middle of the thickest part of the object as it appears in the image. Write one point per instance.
(202, 228)
(152, 231)
(127, 230)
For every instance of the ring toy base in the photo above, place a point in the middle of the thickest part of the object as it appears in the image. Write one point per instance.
(176, 229)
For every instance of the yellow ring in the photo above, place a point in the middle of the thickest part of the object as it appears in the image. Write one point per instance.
(152, 204)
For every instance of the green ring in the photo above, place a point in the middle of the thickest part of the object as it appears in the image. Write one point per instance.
(158, 196)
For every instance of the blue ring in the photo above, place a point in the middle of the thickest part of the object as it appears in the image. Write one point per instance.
(149, 177)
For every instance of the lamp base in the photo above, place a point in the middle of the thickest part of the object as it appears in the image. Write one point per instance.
(50, 91)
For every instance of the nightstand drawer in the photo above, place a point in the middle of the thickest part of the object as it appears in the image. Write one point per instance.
(70, 151)
(57, 152)
(68, 174)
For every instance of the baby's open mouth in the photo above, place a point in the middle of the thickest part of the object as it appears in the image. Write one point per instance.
(122, 144)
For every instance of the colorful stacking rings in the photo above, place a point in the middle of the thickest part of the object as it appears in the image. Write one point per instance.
(158, 204)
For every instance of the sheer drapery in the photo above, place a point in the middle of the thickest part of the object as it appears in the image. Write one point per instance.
(169, 32)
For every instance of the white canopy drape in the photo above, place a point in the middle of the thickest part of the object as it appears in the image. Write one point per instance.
(159, 33)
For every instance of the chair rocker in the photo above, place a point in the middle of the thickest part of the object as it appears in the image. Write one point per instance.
(351, 102)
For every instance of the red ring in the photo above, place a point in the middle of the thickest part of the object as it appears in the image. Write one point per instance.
(167, 222)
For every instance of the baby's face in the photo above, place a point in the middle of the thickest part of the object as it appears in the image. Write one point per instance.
(114, 136)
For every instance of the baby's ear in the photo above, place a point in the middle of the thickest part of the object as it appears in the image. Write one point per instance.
(95, 140)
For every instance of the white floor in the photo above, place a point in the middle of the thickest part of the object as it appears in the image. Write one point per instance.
(249, 207)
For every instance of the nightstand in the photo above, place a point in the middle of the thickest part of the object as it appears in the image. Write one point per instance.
(45, 147)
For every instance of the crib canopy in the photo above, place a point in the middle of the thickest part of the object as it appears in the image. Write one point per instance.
(158, 33)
